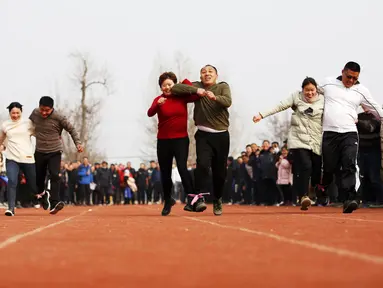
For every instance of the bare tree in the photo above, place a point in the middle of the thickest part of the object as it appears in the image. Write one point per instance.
(183, 68)
(236, 132)
(277, 127)
(148, 150)
(86, 116)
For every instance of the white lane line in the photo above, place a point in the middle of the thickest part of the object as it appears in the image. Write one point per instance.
(307, 214)
(319, 247)
(323, 248)
(345, 218)
(20, 236)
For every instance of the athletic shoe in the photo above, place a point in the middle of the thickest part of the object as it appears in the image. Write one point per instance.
(217, 207)
(349, 206)
(9, 213)
(168, 207)
(196, 203)
(305, 203)
(45, 200)
(60, 205)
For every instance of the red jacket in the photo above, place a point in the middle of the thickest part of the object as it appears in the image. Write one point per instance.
(172, 115)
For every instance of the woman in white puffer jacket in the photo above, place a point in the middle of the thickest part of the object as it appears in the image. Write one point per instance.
(305, 137)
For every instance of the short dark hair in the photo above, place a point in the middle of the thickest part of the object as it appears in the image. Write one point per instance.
(15, 105)
(309, 80)
(209, 65)
(167, 75)
(46, 101)
(353, 66)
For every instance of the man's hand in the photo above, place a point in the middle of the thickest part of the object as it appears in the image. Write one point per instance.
(2, 148)
(80, 149)
(201, 92)
(211, 95)
(257, 118)
(161, 101)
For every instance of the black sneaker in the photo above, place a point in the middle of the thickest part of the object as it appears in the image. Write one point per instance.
(322, 197)
(198, 206)
(45, 200)
(60, 205)
(168, 207)
(9, 212)
(217, 207)
(350, 206)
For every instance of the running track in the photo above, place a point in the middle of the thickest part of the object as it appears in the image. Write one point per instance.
(248, 246)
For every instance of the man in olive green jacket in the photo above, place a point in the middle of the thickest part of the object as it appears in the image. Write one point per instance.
(211, 116)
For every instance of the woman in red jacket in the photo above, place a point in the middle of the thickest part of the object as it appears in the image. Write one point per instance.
(172, 136)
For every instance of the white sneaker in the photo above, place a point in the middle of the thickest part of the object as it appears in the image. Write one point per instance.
(9, 213)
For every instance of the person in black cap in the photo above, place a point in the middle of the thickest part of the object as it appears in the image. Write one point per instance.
(17, 133)
(49, 124)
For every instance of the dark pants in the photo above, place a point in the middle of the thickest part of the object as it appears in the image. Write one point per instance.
(212, 152)
(269, 191)
(141, 193)
(48, 162)
(286, 193)
(83, 193)
(63, 192)
(71, 192)
(340, 151)
(306, 165)
(13, 168)
(149, 192)
(248, 192)
(158, 191)
(2, 191)
(118, 195)
(104, 195)
(167, 149)
(369, 164)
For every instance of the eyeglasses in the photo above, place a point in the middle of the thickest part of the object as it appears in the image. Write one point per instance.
(351, 77)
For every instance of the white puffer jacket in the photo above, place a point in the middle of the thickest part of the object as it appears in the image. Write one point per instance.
(306, 121)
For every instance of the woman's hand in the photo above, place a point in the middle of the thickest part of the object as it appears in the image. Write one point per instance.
(257, 118)
(161, 101)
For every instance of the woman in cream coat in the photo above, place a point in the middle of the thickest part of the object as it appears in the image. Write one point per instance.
(19, 152)
(305, 137)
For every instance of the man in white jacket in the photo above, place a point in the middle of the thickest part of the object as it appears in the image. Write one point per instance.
(343, 95)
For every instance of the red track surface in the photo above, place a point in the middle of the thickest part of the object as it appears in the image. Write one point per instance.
(133, 246)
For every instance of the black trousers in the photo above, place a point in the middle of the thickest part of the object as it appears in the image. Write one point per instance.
(340, 152)
(306, 165)
(286, 193)
(48, 162)
(370, 183)
(212, 152)
(104, 195)
(177, 148)
(83, 194)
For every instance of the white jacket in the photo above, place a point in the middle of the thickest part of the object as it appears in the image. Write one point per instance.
(341, 105)
(306, 128)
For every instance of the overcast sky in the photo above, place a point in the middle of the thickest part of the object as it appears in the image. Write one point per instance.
(263, 49)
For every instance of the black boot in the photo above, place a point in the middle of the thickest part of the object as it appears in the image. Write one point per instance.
(168, 206)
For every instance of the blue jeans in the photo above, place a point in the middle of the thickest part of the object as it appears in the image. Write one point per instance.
(13, 170)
